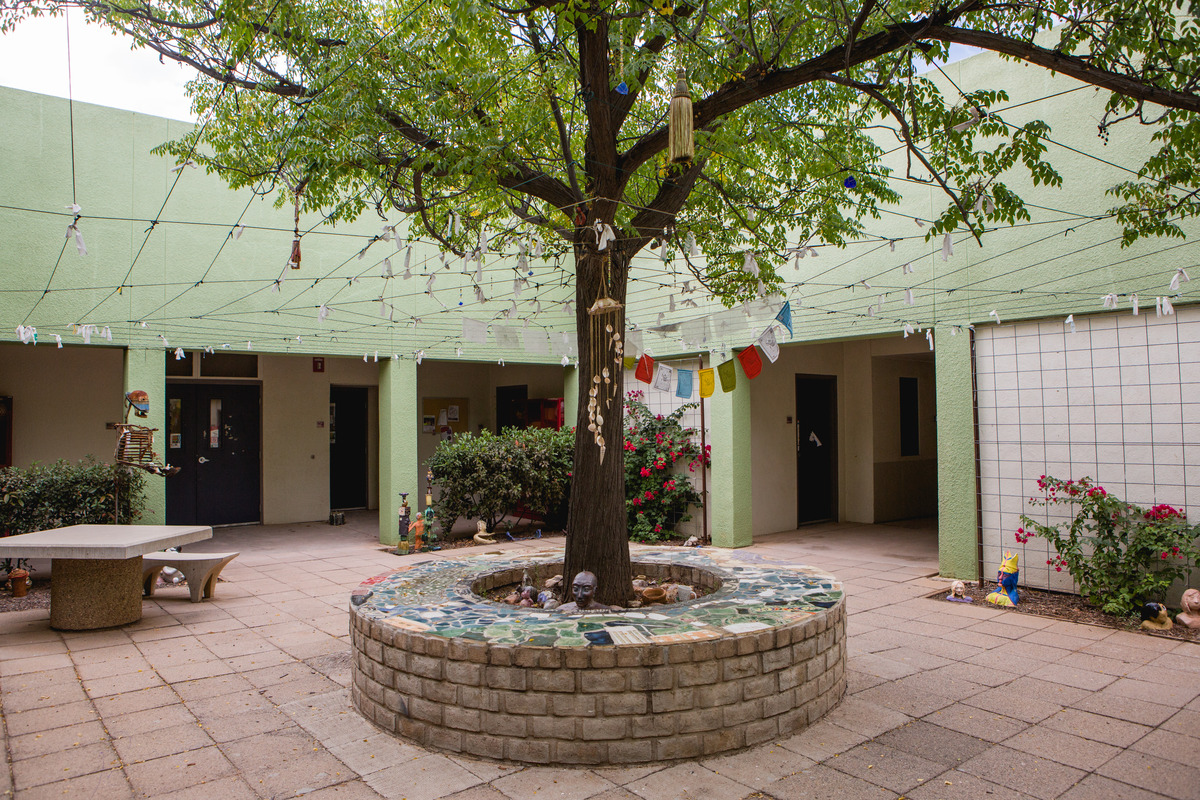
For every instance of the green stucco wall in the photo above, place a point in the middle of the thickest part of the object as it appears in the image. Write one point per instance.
(730, 490)
(398, 431)
(957, 501)
(146, 370)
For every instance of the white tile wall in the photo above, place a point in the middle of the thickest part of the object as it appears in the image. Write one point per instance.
(1118, 401)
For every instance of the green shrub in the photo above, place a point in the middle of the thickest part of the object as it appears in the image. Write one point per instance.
(487, 476)
(543, 459)
(1120, 554)
(656, 497)
(45, 496)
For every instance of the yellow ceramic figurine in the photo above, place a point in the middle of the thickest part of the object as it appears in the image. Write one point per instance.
(1006, 593)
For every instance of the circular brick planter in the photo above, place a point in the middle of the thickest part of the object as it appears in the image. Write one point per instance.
(758, 658)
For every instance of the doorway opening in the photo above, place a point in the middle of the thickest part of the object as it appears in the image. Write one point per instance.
(816, 449)
(347, 447)
(214, 435)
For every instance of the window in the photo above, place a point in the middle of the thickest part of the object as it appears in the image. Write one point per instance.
(910, 418)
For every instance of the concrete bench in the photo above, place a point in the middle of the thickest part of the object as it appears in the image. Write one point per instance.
(200, 570)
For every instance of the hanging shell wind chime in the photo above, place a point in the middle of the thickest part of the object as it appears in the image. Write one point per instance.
(605, 339)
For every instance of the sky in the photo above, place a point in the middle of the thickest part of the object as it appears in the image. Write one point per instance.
(106, 72)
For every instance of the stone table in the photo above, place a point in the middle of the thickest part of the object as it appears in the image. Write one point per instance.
(98, 568)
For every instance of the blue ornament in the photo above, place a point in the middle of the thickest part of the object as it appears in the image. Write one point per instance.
(622, 88)
(850, 183)
(460, 302)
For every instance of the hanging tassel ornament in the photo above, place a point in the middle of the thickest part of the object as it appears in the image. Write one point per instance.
(682, 145)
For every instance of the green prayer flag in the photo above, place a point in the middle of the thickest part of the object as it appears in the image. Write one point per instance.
(728, 375)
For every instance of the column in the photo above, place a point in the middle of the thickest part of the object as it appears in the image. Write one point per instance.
(730, 488)
(957, 510)
(147, 370)
(398, 429)
(570, 396)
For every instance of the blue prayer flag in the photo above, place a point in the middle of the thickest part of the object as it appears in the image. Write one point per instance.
(684, 386)
(784, 317)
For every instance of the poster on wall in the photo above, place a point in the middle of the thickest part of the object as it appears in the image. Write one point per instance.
(427, 423)
(452, 413)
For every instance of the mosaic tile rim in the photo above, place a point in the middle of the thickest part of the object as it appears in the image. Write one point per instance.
(756, 594)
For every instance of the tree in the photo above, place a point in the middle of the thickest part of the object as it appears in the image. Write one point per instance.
(549, 117)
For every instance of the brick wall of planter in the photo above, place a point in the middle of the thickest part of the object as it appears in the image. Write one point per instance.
(622, 704)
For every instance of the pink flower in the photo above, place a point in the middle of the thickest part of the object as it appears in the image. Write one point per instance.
(645, 472)
(658, 528)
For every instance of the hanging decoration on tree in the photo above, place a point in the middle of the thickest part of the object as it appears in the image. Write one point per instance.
(607, 351)
(681, 142)
(294, 259)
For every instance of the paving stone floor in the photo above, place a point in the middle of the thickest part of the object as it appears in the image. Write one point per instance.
(245, 696)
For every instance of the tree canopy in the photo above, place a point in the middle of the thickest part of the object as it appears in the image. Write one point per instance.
(548, 116)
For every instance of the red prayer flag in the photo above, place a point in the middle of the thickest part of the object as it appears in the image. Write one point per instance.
(645, 369)
(751, 361)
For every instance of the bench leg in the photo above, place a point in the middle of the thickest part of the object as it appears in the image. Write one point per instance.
(150, 581)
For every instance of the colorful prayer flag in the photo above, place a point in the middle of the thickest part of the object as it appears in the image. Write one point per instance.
(707, 382)
(769, 345)
(728, 374)
(751, 361)
(683, 385)
(784, 317)
(645, 369)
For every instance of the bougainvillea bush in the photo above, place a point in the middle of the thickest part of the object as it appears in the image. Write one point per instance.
(657, 492)
(1120, 554)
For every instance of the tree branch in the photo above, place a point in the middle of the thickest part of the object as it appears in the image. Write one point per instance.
(898, 115)
(1072, 66)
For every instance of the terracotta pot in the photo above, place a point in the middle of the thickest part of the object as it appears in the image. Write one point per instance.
(654, 594)
(19, 580)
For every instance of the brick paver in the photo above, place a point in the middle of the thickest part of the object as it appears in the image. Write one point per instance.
(245, 696)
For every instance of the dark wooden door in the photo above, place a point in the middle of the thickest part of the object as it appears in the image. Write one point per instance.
(214, 437)
(347, 447)
(512, 407)
(816, 448)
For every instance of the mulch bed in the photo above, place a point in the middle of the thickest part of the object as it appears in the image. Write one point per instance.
(37, 596)
(1068, 607)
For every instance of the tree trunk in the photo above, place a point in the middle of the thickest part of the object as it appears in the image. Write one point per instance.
(597, 536)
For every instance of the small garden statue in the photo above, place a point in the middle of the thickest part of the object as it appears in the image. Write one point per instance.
(958, 593)
(1006, 593)
(1189, 617)
(1154, 617)
(584, 592)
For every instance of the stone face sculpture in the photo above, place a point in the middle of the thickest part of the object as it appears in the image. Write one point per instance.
(1154, 617)
(958, 593)
(1190, 615)
(583, 589)
(1006, 593)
